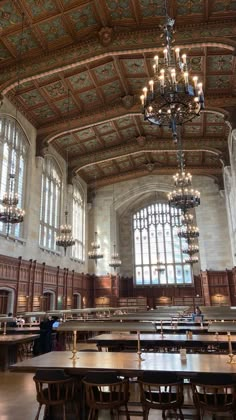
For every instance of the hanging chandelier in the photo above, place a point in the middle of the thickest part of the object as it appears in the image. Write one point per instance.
(191, 260)
(183, 197)
(170, 98)
(9, 212)
(191, 249)
(188, 232)
(160, 267)
(186, 219)
(95, 254)
(65, 239)
(115, 259)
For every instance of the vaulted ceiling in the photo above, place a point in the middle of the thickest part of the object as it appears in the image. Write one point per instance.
(101, 52)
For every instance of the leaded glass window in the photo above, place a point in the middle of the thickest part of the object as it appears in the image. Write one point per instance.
(50, 204)
(13, 159)
(78, 223)
(155, 237)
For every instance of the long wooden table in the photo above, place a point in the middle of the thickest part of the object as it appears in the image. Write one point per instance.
(122, 341)
(128, 364)
(9, 347)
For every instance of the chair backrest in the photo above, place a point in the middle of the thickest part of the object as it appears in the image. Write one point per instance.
(106, 390)
(160, 390)
(54, 387)
(214, 393)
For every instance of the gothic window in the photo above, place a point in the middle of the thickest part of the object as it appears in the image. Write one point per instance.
(13, 159)
(50, 204)
(78, 222)
(155, 236)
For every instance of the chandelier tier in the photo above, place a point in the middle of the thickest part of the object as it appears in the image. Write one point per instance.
(170, 98)
(65, 239)
(115, 259)
(9, 212)
(186, 219)
(191, 249)
(188, 232)
(183, 198)
(95, 254)
(160, 267)
(191, 260)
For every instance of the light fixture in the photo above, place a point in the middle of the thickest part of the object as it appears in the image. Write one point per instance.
(170, 98)
(188, 232)
(191, 260)
(115, 259)
(65, 239)
(10, 213)
(191, 249)
(160, 267)
(186, 219)
(95, 253)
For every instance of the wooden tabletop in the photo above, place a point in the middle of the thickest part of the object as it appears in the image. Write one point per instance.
(221, 338)
(16, 338)
(128, 363)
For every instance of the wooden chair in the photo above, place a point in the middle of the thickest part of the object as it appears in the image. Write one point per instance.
(54, 388)
(215, 394)
(105, 391)
(161, 391)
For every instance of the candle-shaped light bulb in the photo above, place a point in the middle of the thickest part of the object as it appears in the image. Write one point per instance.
(156, 58)
(142, 99)
(165, 54)
(162, 80)
(186, 77)
(151, 84)
(184, 58)
(195, 79)
(199, 88)
(145, 92)
(173, 75)
(177, 50)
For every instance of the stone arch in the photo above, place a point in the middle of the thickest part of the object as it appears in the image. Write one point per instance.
(52, 298)
(77, 298)
(11, 298)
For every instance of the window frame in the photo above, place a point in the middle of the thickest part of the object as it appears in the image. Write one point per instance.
(159, 215)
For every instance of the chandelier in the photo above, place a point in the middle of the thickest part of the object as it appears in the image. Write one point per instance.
(186, 219)
(183, 197)
(188, 232)
(95, 254)
(65, 239)
(160, 267)
(115, 259)
(170, 98)
(9, 212)
(191, 260)
(191, 249)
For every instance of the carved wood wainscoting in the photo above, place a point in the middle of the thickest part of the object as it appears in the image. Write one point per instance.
(31, 283)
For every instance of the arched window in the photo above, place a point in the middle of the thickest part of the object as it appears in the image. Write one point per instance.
(155, 235)
(13, 158)
(50, 204)
(78, 223)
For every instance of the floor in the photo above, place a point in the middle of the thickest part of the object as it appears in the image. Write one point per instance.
(18, 402)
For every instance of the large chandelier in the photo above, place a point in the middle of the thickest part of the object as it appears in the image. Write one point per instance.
(9, 212)
(65, 239)
(170, 98)
(95, 253)
(115, 259)
(183, 197)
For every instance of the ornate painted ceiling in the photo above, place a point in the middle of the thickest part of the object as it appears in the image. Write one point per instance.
(101, 52)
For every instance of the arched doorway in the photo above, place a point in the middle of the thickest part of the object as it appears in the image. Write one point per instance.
(49, 299)
(7, 298)
(76, 301)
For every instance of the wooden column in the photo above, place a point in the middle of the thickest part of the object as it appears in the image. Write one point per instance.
(17, 284)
